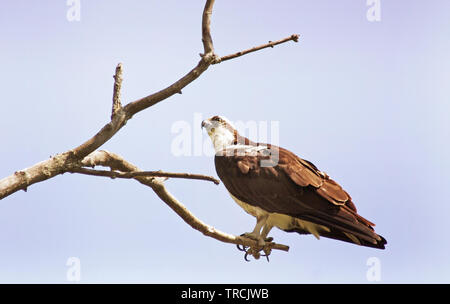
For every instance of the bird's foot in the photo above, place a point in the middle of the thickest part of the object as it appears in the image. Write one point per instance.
(263, 245)
(256, 237)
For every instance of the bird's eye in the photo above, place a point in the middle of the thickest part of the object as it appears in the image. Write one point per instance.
(217, 118)
(212, 130)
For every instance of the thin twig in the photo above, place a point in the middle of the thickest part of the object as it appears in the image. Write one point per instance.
(206, 30)
(134, 174)
(257, 48)
(116, 106)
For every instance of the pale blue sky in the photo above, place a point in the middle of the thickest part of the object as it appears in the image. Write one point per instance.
(367, 102)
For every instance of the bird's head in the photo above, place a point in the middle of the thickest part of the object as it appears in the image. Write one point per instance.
(221, 131)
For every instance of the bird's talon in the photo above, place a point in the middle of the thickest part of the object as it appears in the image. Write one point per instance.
(245, 257)
(267, 257)
(267, 251)
(241, 247)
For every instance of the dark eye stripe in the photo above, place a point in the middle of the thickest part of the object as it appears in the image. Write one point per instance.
(216, 118)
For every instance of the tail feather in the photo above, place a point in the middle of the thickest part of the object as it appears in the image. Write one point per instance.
(378, 241)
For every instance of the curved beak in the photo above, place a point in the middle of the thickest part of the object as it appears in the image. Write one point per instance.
(206, 124)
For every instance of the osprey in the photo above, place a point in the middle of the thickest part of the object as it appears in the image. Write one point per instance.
(282, 190)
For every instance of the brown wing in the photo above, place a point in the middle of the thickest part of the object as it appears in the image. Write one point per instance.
(295, 187)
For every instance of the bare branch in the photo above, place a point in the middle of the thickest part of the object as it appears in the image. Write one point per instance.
(59, 164)
(122, 115)
(86, 154)
(257, 48)
(108, 159)
(133, 174)
(116, 91)
(206, 30)
(21, 179)
(115, 162)
(141, 104)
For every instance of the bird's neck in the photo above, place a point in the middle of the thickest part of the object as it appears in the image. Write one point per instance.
(223, 140)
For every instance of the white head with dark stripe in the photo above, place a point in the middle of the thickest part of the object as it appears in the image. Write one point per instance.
(221, 131)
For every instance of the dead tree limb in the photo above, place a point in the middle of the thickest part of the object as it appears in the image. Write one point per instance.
(133, 174)
(257, 48)
(66, 161)
(83, 155)
(117, 105)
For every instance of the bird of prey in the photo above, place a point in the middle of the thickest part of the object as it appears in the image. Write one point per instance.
(285, 191)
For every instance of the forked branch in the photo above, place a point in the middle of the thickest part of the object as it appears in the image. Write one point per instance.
(85, 155)
(63, 162)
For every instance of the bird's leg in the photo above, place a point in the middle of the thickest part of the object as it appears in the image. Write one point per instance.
(267, 249)
(265, 232)
(261, 237)
(256, 233)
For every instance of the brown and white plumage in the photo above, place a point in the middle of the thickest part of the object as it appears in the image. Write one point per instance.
(280, 189)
